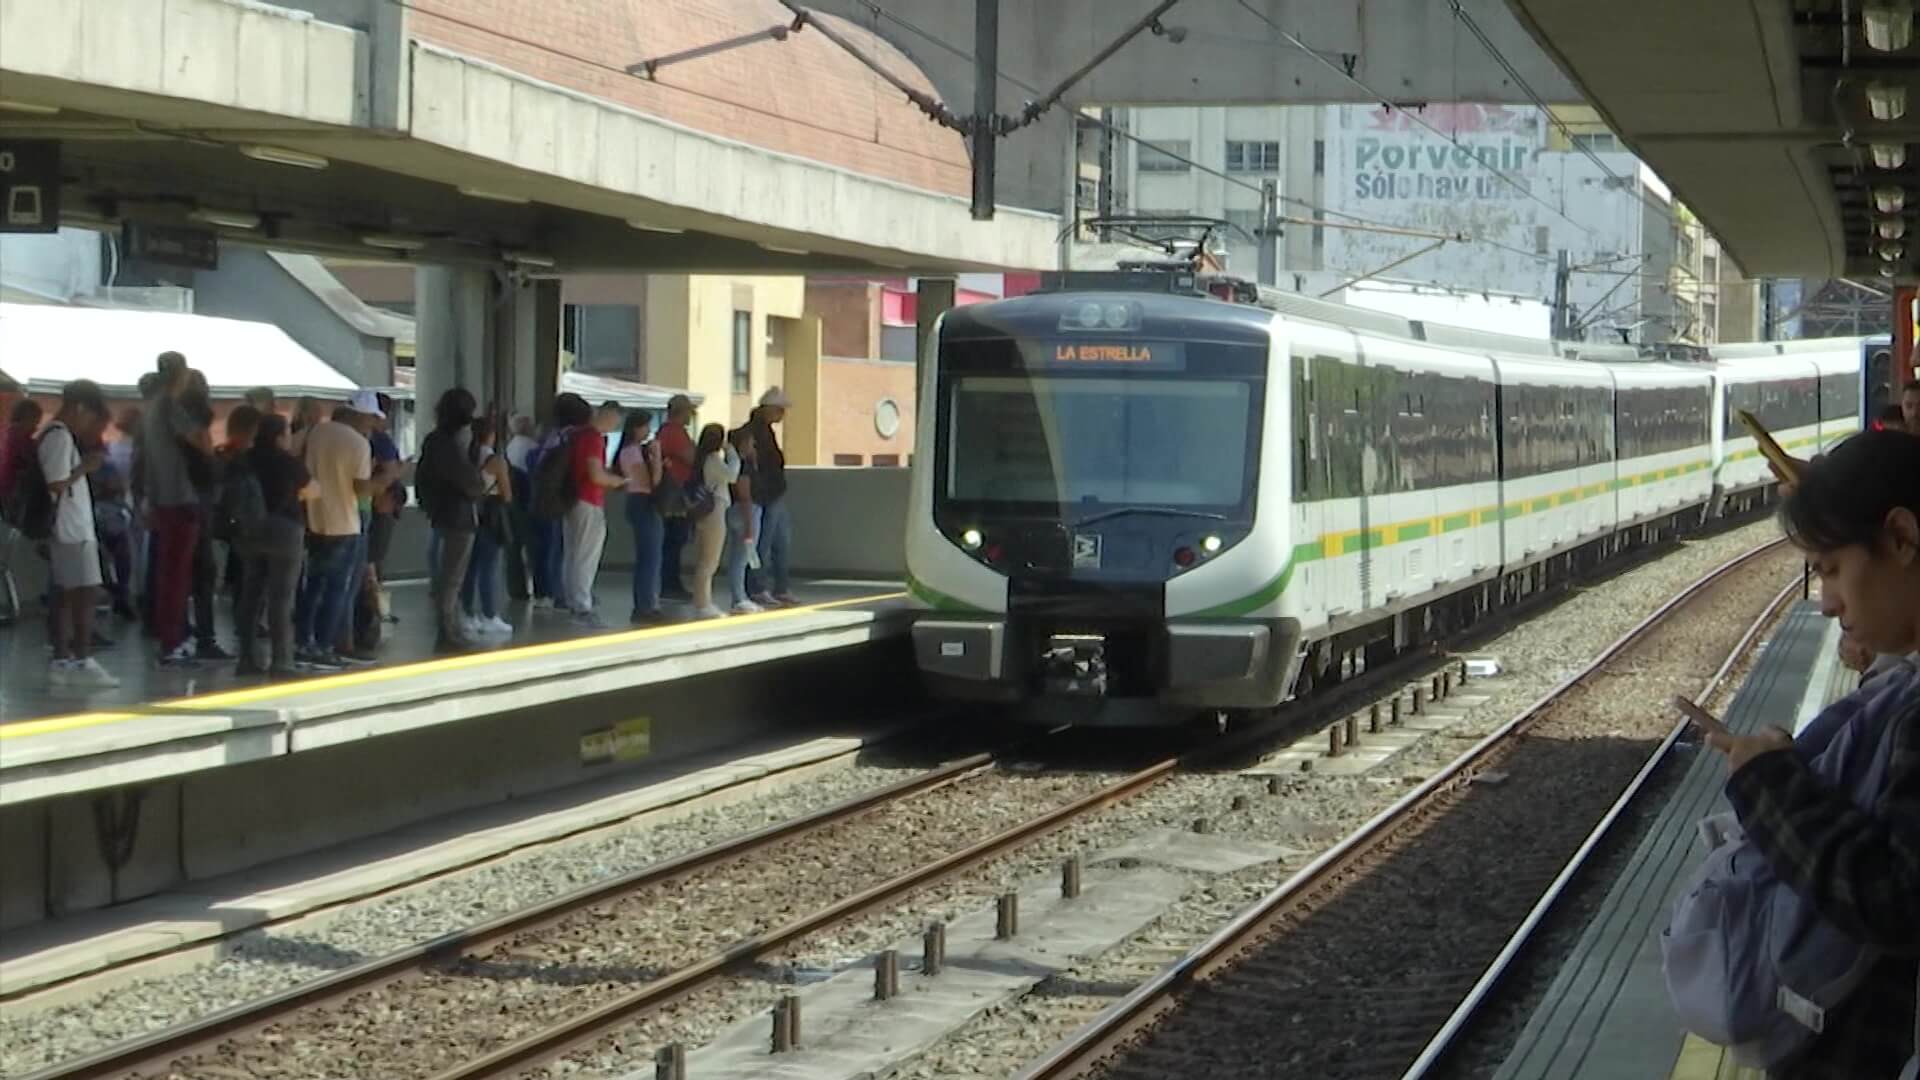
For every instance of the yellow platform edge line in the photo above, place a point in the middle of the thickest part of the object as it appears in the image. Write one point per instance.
(229, 698)
(1702, 1060)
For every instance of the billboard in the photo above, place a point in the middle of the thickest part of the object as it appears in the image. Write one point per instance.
(1390, 165)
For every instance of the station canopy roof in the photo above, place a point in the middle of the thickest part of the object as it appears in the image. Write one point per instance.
(44, 346)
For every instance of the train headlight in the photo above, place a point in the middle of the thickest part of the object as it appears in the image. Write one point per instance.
(1091, 316)
(972, 539)
(1210, 545)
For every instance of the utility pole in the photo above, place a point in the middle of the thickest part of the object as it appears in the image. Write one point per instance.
(1269, 232)
(986, 105)
(1562, 303)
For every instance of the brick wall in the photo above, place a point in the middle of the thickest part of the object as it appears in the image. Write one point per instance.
(803, 96)
(850, 390)
(849, 317)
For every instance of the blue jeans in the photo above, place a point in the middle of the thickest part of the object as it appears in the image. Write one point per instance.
(649, 536)
(483, 577)
(736, 557)
(776, 547)
(547, 549)
(323, 596)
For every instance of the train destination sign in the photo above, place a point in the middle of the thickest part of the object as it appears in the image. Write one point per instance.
(1162, 355)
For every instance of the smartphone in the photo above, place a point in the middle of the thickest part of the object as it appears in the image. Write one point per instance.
(1783, 462)
(1701, 718)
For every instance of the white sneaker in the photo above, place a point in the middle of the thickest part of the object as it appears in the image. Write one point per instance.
(747, 607)
(472, 624)
(709, 612)
(543, 603)
(497, 625)
(90, 674)
(60, 672)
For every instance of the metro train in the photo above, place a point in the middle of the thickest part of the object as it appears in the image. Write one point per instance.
(1144, 497)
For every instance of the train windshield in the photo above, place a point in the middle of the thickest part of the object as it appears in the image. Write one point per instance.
(1079, 444)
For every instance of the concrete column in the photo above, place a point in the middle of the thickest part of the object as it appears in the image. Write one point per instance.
(452, 309)
(935, 299)
(529, 350)
(801, 438)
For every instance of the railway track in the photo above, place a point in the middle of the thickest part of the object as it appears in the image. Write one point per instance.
(567, 975)
(1371, 959)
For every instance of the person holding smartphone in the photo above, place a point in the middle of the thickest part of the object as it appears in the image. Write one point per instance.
(1856, 514)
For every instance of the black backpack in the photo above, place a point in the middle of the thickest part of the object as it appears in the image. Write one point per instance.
(29, 506)
(554, 488)
(242, 506)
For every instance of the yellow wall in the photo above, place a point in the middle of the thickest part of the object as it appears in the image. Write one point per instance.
(689, 328)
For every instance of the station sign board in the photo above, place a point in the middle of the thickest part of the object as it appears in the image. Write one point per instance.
(171, 245)
(29, 185)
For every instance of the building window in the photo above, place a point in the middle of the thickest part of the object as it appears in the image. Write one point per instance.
(742, 352)
(1597, 142)
(1710, 269)
(602, 337)
(1319, 157)
(1260, 157)
(1247, 220)
(1164, 155)
(1087, 193)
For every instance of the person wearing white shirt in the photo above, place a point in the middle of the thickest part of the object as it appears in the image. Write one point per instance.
(73, 549)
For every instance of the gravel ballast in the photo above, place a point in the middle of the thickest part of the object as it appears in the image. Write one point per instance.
(1312, 813)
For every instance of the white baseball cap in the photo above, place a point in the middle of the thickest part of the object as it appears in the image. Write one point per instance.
(777, 398)
(366, 401)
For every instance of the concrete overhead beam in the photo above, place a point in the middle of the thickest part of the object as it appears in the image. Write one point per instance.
(690, 179)
(209, 52)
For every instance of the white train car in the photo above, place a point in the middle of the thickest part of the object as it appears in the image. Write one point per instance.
(1804, 392)
(1143, 499)
(1663, 437)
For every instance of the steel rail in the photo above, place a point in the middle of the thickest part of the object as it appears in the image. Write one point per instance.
(149, 1052)
(1469, 1007)
(1122, 1020)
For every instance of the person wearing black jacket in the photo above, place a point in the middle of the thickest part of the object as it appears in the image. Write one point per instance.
(450, 488)
(273, 545)
(773, 584)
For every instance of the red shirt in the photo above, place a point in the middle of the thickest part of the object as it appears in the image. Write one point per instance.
(673, 439)
(589, 446)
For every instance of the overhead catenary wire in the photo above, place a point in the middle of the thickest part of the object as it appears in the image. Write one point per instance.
(1466, 19)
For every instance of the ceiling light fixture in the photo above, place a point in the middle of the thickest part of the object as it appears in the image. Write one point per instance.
(28, 107)
(1888, 155)
(393, 241)
(1892, 252)
(226, 219)
(786, 250)
(529, 258)
(494, 196)
(648, 226)
(1892, 228)
(1886, 101)
(1889, 200)
(1888, 23)
(280, 155)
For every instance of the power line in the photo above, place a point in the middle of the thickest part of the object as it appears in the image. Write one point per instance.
(1453, 140)
(603, 66)
(1460, 13)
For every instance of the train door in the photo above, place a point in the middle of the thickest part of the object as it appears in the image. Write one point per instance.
(1307, 594)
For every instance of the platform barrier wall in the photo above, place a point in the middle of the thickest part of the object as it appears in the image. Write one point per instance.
(846, 523)
(76, 853)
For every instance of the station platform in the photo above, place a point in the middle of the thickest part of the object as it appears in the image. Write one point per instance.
(188, 776)
(1605, 1015)
(162, 723)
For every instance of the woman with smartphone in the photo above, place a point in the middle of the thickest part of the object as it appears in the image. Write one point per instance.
(1856, 514)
